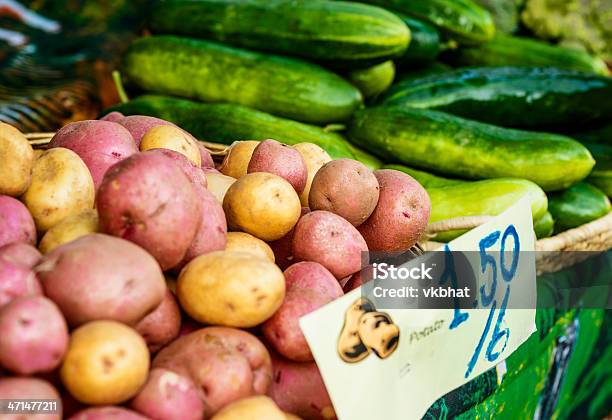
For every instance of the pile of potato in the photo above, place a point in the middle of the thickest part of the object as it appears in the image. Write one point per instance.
(123, 293)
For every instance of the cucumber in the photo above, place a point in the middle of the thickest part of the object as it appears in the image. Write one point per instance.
(212, 72)
(519, 97)
(371, 161)
(579, 204)
(373, 81)
(426, 179)
(329, 31)
(424, 44)
(599, 135)
(226, 123)
(461, 20)
(601, 175)
(544, 226)
(451, 145)
(489, 197)
(506, 50)
(434, 67)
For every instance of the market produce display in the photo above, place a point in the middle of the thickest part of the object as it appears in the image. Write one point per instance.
(155, 262)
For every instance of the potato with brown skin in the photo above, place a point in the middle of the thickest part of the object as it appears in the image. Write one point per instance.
(401, 215)
(330, 240)
(244, 242)
(106, 413)
(147, 199)
(230, 288)
(237, 159)
(138, 125)
(262, 204)
(345, 187)
(100, 144)
(298, 388)
(30, 388)
(172, 138)
(309, 287)
(282, 160)
(314, 157)
(252, 408)
(106, 363)
(169, 396)
(218, 184)
(283, 254)
(226, 364)
(61, 186)
(34, 335)
(17, 280)
(162, 325)
(21, 254)
(78, 278)
(69, 229)
(16, 223)
(17, 157)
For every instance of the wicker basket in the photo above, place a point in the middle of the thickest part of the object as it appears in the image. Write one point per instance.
(595, 236)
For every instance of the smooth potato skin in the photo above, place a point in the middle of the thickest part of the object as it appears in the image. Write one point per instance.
(69, 229)
(236, 162)
(345, 187)
(138, 125)
(30, 388)
(227, 364)
(233, 289)
(34, 335)
(282, 160)
(262, 204)
(16, 223)
(314, 157)
(218, 184)
(17, 280)
(100, 144)
(107, 413)
(162, 325)
(252, 408)
(244, 242)
(169, 396)
(112, 116)
(401, 215)
(206, 160)
(20, 253)
(76, 276)
(61, 186)
(172, 138)
(147, 199)
(283, 254)
(17, 157)
(330, 240)
(106, 363)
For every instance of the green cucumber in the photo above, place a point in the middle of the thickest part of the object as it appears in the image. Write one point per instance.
(461, 20)
(426, 179)
(425, 43)
(434, 67)
(488, 197)
(451, 145)
(506, 50)
(373, 81)
(601, 175)
(519, 97)
(599, 135)
(338, 32)
(579, 204)
(212, 72)
(364, 157)
(544, 226)
(225, 123)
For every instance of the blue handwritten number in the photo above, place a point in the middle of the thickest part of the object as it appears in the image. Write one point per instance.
(498, 333)
(450, 273)
(486, 260)
(478, 348)
(508, 274)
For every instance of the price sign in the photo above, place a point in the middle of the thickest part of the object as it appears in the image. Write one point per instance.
(394, 363)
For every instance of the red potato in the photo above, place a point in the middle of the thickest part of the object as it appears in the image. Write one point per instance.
(100, 144)
(206, 157)
(34, 335)
(30, 388)
(169, 396)
(20, 253)
(114, 116)
(282, 160)
(226, 364)
(17, 280)
(330, 240)
(107, 413)
(298, 389)
(148, 200)
(16, 222)
(283, 254)
(309, 287)
(102, 277)
(162, 325)
(345, 187)
(401, 215)
(195, 174)
(138, 125)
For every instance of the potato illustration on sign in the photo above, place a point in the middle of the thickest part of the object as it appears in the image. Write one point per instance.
(366, 330)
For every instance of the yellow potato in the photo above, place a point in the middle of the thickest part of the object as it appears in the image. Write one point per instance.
(244, 242)
(169, 137)
(252, 408)
(69, 229)
(315, 157)
(106, 363)
(233, 289)
(218, 184)
(61, 186)
(262, 204)
(237, 159)
(38, 153)
(290, 416)
(16, 160)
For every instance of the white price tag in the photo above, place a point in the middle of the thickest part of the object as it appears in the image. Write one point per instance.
(393, 364)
